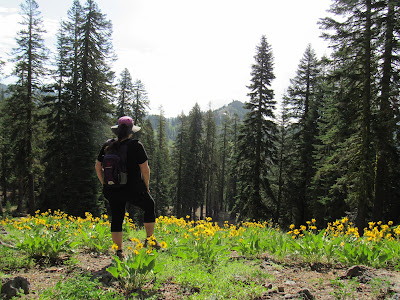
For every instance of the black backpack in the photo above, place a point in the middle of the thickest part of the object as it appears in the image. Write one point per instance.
(115, 164)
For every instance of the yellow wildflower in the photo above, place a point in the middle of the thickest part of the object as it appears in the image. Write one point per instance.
(135, 240)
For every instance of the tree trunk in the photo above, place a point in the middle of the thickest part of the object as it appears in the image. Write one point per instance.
(21, 190)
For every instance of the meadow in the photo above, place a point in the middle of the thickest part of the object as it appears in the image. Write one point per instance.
(198, 259)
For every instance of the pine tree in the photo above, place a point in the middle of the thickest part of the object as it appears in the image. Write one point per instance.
(82, 105)
(59, 111)
(257, 139)
(161, 163)
(62, 104)
(193, 184)
(224, 162)
(330, 183)
(29, 58)
(96, 58)
(352, 40)
(302, 105)
(140, 102)
(147, 138)
(284, 207)
(209, 167)
(125, 94)
(233, 175)
(178, 160)
(387, 177)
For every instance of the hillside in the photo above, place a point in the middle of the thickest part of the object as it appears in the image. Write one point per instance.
(232, 109)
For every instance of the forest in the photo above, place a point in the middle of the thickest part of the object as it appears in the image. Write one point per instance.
(328, 149)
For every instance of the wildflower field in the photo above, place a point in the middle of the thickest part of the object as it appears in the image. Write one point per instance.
(198, 259)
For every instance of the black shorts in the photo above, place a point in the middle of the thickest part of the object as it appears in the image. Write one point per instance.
(118, 199)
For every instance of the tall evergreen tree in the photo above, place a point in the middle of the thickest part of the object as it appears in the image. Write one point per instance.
(178, 161)
(282, 197)
(257, 139)
(140, 102)
(59, 113)
(62, 104)
(125, 94)
(224, 162)
(160, 167)
(209, 166)
(387, 177)
(330, 183)
(233, 175)
(352, 39)
(302, 105)
(29, 58)
(84, 100)
(193, 185)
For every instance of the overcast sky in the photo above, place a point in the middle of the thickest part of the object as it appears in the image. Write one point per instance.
(187, 51)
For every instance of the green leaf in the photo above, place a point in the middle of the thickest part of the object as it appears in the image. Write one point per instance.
(113, 271)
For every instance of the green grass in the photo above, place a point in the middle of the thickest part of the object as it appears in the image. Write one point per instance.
(11, 260)
(79, 286)
(229, 280)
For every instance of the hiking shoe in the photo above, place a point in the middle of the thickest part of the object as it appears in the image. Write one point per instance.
(151, 242)
(120, 255)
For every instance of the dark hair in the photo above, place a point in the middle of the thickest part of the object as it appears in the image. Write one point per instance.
(123, 132)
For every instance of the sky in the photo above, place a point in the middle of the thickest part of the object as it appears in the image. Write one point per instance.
(190, 51)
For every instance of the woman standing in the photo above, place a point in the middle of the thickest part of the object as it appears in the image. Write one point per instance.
(136, 190)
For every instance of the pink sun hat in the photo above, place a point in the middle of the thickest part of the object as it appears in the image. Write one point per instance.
(128, 121)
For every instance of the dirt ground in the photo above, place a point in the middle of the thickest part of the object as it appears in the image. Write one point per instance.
(291, 280)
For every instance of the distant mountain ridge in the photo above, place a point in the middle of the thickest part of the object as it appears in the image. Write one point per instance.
(234, 108)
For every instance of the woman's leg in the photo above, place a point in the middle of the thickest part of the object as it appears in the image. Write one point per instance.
(149, 228)
(117, 206)
(146, 202)
(117, 239)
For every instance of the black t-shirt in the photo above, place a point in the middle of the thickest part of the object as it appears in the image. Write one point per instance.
(136, 155)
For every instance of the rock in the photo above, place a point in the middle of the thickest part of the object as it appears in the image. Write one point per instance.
(290, 282)
(355, 271)
(306, 294)
(281, 289)
(12, 287)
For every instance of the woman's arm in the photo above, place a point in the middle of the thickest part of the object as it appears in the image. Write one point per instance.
(99, 171)
(145, 170)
